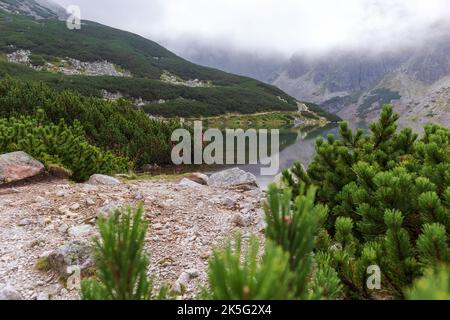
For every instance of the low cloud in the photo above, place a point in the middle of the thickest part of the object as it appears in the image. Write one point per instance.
(275, 26)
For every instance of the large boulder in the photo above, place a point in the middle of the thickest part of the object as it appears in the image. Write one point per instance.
(74, 253)
(232, 178)
(17, 166)
(100, 179)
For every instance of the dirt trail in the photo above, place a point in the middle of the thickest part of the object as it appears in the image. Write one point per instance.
(186, 224)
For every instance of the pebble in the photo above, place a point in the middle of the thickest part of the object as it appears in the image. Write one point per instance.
(75, 207)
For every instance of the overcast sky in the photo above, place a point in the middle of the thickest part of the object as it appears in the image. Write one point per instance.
(286, 26)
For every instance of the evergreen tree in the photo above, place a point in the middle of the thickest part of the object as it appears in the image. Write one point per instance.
(236, 275)
(120, 260)
(287, 269)
(388, 196)
(58, 145)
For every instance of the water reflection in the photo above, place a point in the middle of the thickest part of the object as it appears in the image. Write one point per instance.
(296, 144)
(301, 149)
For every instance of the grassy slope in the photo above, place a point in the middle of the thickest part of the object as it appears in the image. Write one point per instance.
(145, 59)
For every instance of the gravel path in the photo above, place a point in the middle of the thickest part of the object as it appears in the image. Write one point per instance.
(186, 224)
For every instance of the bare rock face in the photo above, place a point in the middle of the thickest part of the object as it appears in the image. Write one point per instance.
(100, 179)
(17, 166)
(233, 178)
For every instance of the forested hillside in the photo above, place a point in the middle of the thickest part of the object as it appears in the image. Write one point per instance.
(155, 74)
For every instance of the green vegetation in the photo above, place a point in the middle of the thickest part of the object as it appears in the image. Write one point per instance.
(435, 285)
(286, 269)
(235, 276)
(58, 145)
(266, 120)
(118, 127)
(388, 194)
(50, 40)
(322, 113)
(120, 260)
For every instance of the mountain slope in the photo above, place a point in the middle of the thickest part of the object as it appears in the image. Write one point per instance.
(155, 76)
(38, 9)
(354, 84)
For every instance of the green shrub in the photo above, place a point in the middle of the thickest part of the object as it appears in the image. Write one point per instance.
(435, 285)
(58, 145)
(388, 194)
(114, 126)
(236, 275)
(120, 260)
(287, 269)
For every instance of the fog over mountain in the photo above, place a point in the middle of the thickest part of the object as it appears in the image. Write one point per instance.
(287, 26)
(350, 56)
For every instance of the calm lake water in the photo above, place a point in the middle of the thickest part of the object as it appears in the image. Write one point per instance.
(296, 144)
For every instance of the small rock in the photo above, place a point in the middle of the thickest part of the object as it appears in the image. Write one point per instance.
(61, 193)
(189, 183)
(179, 287)
(108, 209)
(63, 209)
(75, 207)
(24, 222)
(241, 220)
(232, 178)
(205, 255)
(9, 293)
(89, 188)
(63, 228)
(43, 296)
(39, 199)
(193, 273)
(100, 179)
(225, 201)
(81, 231)
(157, 226)
(74, 253)
(198, 177)
(90, 202)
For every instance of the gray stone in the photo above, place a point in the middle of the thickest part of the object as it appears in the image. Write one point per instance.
(9, 293)
(75, 207)
(24, 222)
(81, 231)
(17, 166)
(242, 220)
(100, 179)
(74, 253)
(198, 177)
(180, 286)
(189, 183)
(108, 209)
(224, 201)
(42, 296)
(90, 201)
(233, 178)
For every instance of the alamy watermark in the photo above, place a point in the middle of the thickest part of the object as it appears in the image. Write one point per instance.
(374, 277)
(230, 146)
(73, 21)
